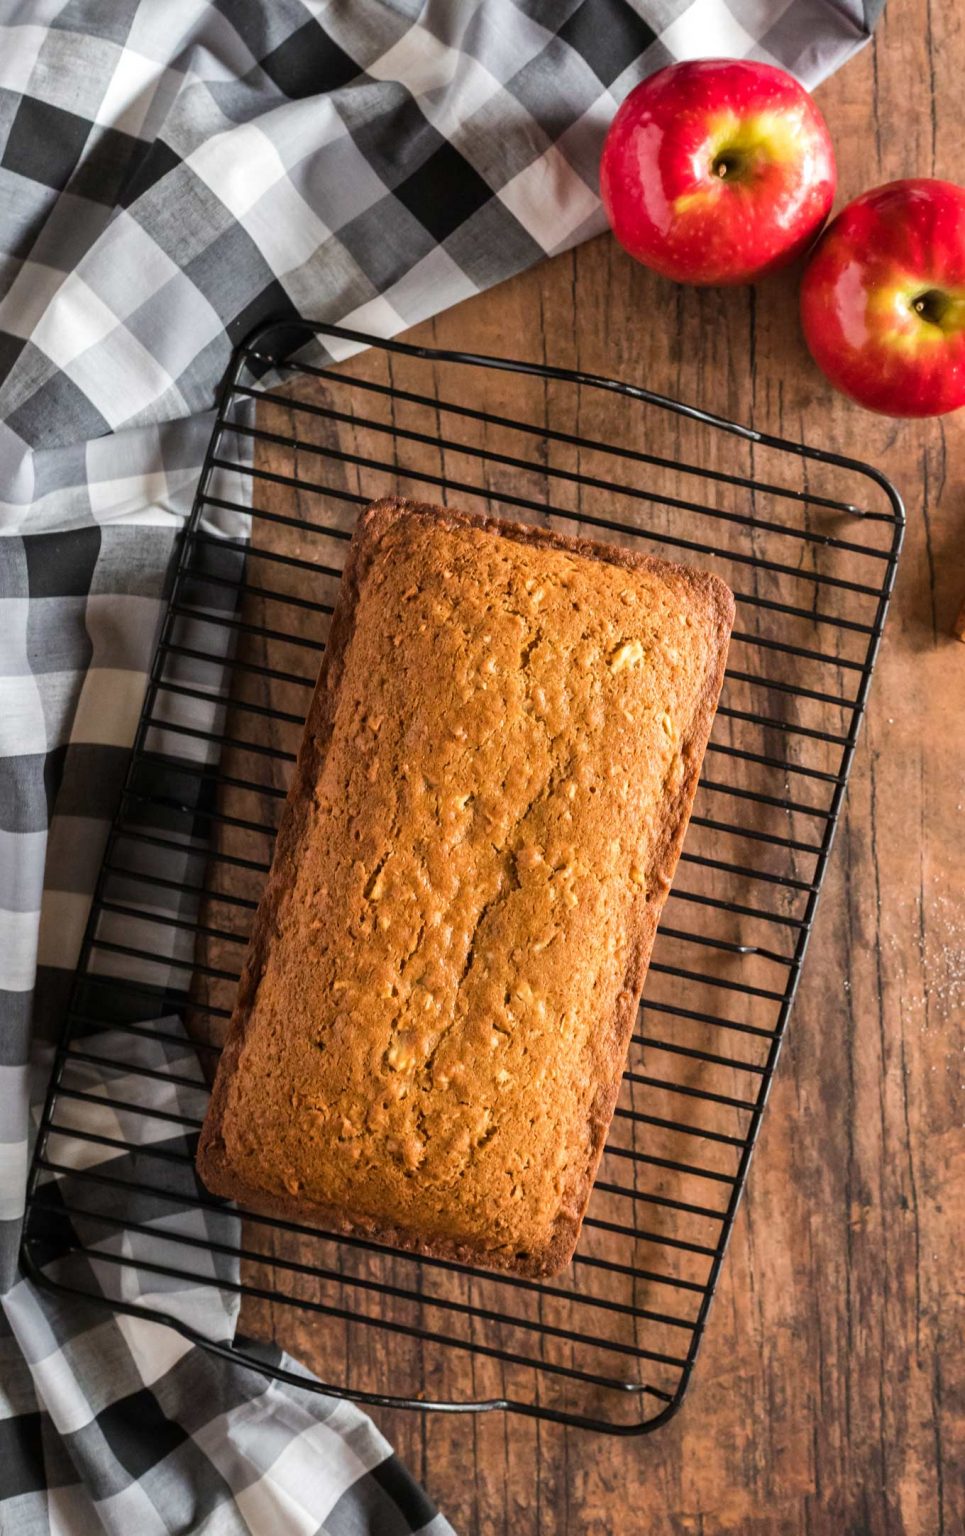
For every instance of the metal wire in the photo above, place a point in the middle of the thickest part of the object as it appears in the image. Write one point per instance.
(611, 1345)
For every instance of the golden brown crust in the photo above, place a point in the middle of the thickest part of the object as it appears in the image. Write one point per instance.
(710, 599)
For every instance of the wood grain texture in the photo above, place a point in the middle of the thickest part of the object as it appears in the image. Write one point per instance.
(829, 1399)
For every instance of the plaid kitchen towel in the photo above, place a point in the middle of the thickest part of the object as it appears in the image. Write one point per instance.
(171, 173)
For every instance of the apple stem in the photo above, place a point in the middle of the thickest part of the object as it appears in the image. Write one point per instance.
(933, 306)
(729, 162)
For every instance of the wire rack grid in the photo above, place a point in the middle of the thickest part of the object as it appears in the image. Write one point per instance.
(808, 539)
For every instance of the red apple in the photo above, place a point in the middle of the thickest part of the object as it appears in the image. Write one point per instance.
(883, 299)
(717, 171)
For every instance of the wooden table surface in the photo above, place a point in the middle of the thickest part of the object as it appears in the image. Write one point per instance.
(829, 1398)
(836, 1403)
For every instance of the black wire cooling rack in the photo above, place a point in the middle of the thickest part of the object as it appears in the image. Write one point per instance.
(809, 541)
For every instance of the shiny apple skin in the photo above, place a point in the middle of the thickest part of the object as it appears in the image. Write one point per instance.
(891, 247)
(668, 205)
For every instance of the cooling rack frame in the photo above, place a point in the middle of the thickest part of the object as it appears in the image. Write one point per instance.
(275, 353)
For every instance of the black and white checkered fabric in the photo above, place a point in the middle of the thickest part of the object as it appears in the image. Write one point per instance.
(172, 172)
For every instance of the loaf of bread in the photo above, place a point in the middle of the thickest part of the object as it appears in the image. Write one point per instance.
(497, 771)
